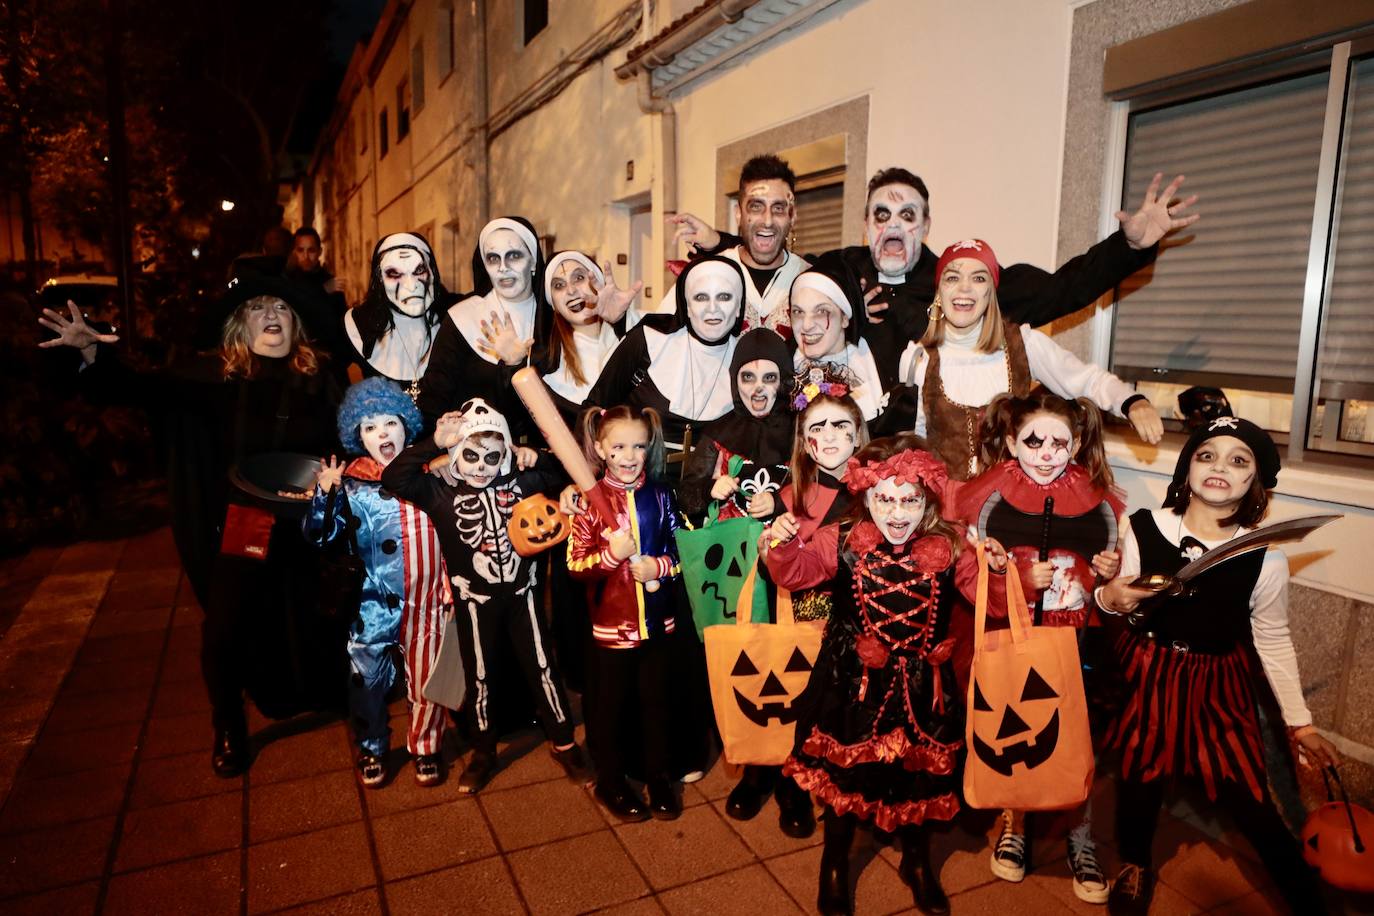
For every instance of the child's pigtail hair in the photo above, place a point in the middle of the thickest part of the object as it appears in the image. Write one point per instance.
(588, 433)
(656, 462)
(1092, 452)
(997, 424)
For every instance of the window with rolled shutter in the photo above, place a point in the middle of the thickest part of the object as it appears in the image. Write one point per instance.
(820, 219)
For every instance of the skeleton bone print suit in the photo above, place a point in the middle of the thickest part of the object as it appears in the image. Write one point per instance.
(494, 590)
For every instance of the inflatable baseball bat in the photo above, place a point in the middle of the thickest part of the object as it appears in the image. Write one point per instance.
(532, 391)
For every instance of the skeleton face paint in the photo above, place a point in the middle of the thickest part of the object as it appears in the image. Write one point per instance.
(383, 435)
(896, 224)
(831, 436)
(713, 300)
(817, 323)
(1221, 472)
(1043, 446)
(478, 459)
(574, 297)
(624, 446)
(895, 508)
(406, 278)
(510, 265)
(766, 212)
(758, 381)
(271, 324)
(965, 291)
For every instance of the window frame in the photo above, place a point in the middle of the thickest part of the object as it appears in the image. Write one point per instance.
(383, 133)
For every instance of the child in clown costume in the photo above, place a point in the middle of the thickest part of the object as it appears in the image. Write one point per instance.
(405, 591)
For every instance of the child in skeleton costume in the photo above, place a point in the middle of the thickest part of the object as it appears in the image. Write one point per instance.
(684, 375)
(880, 736)
(1037, 448)
(405, 591)
(494, 587)
(392, 330)
(490, 334)
(630, 565)
(970, 353)
(827, 309)
(758, 431)
(1190, 711)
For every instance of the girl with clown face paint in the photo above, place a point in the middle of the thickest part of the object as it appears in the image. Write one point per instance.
(405, 590)
(880, 732)
(683, 374)
(392, 330)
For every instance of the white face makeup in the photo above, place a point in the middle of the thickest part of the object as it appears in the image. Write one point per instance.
(767, 210)
(895, 508)
(896, 224)
(270, 326)
(624, 447)
(831, 436)
(574, 297)
(510, 265)
(383, 436)
(965, 291)
(406, 278)
(817, 323)
(758, 381)
(713, 300)
(1221, 471)
(1043, 446)
(478, 459)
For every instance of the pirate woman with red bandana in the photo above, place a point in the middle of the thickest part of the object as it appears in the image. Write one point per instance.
(882, 723)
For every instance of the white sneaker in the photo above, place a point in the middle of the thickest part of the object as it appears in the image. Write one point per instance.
(1089, 884)
(694, 776)
(1009, 855)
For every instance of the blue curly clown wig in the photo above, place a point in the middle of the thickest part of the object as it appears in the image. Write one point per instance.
(373, 397)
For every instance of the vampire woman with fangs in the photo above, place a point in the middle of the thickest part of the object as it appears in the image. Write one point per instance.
(629, 567)
(498, 328)
(879, 736)
(392, 330)
(683, 374)
(828, 321)
(405, 591)
(971, 352)
(1045, 455)
(265, 389)
(494, 588)
(758, 430)
(1191, 712)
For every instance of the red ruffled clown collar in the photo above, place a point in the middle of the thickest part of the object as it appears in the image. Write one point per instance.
(910, 466)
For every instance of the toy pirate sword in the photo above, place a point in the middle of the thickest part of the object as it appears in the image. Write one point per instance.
(1166, 586)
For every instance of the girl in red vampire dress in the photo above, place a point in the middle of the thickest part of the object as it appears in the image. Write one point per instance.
(881, 733)
(1036, 448)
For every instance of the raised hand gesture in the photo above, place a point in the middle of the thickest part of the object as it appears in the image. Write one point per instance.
(693, 229)
(612, 302)
(874, 309)
(500, 340)
(1159, 214)
(73, 332)
(330, 473)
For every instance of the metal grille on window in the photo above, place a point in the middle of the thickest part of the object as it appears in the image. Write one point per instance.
(820, 219)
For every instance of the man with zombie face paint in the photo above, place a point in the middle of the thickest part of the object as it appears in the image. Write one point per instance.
(494, 588)
(392, 330)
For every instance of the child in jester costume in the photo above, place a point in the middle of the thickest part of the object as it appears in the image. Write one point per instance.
(405, 591)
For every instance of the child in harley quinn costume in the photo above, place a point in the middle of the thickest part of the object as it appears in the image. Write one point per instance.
(494, 586)
(1190, 710)
(1037, 447)
(405, 590)
(880, 739)
(629, 563)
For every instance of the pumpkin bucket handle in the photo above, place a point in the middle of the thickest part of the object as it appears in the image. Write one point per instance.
(1330, 773)
(1018, 615)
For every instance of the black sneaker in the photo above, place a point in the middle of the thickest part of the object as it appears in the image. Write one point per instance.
(574, 764)
(479, 771)
(1131, 891)
(1089, 884)
(1009, 855)
(371, 770)
(429, 770)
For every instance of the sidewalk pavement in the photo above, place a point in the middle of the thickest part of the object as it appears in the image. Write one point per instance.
(110, 806)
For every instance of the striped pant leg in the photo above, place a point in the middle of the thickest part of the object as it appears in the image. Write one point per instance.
(421, 635)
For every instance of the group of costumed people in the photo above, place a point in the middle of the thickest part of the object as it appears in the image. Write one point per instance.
(888, 415)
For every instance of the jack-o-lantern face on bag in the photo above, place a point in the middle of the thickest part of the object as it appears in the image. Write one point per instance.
(1329, 845)
(1024, 730)
(536, 525)
(766, 689)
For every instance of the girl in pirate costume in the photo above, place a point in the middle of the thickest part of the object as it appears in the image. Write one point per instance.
(490, 334)
(405, 591)
(879, 738)
(970, 353)
(392, 329)
(758, 430)
(494, 587)
(684, 374)
(1190, 712)
(1040, 448)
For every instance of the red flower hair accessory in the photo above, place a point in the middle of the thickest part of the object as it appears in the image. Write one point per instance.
(910, 466)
